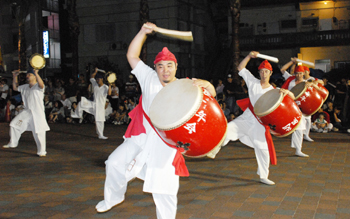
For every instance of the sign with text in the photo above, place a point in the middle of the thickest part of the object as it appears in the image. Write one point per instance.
(46, 45)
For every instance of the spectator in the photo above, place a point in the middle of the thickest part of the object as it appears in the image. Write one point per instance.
(71, 90)
(340, 92)
(220, 87)
(114, 98)
(131, 88)
(58, 91)
(69, 119)
(224, 109)
(66, 105)
(231, 117)
(120, 116)
(130, 104)
(48, 106)
(57, 112)
(335, 120)
(229, 91)
(4, 89)
(82, 86)
(320, 124)
(19, 108)
(50, 90)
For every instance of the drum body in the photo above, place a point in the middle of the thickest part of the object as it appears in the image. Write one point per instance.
(323, 92)
(308, 99)
(188, 116)
(282, 114)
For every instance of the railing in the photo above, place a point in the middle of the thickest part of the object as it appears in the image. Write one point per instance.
(292, 40)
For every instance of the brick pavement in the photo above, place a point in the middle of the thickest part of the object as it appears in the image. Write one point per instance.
(68, 182)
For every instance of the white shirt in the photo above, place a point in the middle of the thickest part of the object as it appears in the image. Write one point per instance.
(66, 103)
(100, 96)
(5, 87)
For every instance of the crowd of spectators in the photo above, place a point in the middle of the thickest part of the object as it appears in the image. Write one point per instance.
(62, 97)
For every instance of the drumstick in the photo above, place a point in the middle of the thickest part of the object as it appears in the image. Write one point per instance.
(100, 70)
(270, 58)
(306, 62)
(181, 35)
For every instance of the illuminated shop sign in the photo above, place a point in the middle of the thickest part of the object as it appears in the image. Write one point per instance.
(46, 52)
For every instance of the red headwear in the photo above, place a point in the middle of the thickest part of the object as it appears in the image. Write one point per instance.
(165, 55)
(265, 64)
(306, 68)
(299, 68)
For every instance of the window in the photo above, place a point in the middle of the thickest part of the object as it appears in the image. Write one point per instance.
(288, 24)
(310, 22)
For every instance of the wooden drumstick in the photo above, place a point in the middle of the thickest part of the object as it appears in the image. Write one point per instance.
(100, 70)
(181, 35)
(306, 62)
(269, 58)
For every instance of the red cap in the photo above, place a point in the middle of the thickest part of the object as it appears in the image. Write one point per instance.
(265, 64)
(306, 68)
(165, 55)
(299, 68)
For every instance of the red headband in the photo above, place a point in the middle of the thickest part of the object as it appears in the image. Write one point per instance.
(306, 68)
(165, 55)
(265, 64)
(299, 68)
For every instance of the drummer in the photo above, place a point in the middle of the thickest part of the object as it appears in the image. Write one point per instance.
(246, 127)
(143, 153)
(96, 107)
(291, 81)
(33, 116)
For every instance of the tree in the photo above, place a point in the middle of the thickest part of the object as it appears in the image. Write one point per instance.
(20, 9)
(144, 17)
(74, 31)
(235, 10)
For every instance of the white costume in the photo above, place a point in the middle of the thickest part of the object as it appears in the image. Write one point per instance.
(32, 118)
(247, 128)
(297, 136)
(96, 107)
(144, 156)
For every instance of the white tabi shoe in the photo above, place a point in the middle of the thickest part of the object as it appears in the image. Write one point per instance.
(8, 146)
(307, 138)
(101, 206)
(103, 137)
(267, 181)
(301, 154)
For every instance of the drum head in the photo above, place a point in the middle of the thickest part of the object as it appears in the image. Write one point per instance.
(175, 104)
(268, 102)
(37, 61)
(111, 77)
(298, 89)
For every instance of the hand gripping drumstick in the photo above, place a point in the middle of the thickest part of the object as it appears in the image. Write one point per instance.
(181, 35)
(306, 62)
(270, 58)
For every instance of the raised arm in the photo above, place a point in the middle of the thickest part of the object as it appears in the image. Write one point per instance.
(15, 80)
(134, 50)
(288, 64)
(245, 61)
(94, 74)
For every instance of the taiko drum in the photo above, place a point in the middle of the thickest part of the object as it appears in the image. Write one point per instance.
(188, 116)
(307, 98)
(279, 112)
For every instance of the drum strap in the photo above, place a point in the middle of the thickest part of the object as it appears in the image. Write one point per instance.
(286, 83)
(136, 127)
(270, 145)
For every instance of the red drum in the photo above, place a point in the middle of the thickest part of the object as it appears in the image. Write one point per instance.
(188, 116)
(308, 99)
(282, 114)
(323, 91)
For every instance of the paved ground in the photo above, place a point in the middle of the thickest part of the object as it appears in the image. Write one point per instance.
(68, 182)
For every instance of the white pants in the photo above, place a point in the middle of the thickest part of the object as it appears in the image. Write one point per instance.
(100, 125)
(263, 159)
(120, 164)
(40, 140)
(307, 125)
(297, 140)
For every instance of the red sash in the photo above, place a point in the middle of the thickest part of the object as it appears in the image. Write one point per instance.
(244, 104)
(286, 83)
(136, 127)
